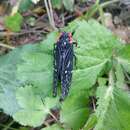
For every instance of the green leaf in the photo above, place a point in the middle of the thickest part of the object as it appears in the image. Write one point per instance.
(8, 82)
(69, 4)
(123, 57)
(14, 22)
(74, 111)
(57, 3)
(91, 122)
(113, 110)
(94, 47)
(94, 52)
(33, 110)
(42, 58)
(53, 127)
(86, 78)
(34, 65)
(25, 5)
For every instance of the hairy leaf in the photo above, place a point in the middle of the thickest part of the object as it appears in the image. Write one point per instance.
(119, 76)
(34, 65)
(38, 64)
(75, 110)
(95, 50)
(113, 110)
(8, 81)
(33, 109)
(123, 57)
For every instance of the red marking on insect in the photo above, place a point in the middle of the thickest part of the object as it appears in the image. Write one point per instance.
(70, 38)
(69, 34)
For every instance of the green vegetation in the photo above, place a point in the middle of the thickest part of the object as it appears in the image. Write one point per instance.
(26, 76)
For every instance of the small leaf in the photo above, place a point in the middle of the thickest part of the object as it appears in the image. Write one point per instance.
(25, 5)
(14, 22)
(69, 4)
(57, 3)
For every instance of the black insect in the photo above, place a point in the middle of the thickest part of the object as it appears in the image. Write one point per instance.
(63, 64)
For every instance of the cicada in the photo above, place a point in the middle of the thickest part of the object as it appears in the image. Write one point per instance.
(63, 64)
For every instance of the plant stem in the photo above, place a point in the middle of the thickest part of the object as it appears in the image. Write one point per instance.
(94, 106)
(53, 116)
(101, 14)
(111, 78)
(48, 12)
(96, 7)
(108, 3)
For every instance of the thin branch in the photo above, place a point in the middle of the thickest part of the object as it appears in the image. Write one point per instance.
(7, 127)
(94, 106)
(54, 117)
(48, 13)
(21, 33)
(51, 14)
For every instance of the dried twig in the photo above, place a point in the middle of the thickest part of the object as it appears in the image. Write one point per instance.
(21, 33)
(7, 46)
(50, 13)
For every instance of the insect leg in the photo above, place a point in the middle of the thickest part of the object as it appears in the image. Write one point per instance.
(55, 83)
(75, 61)
(55, 74)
